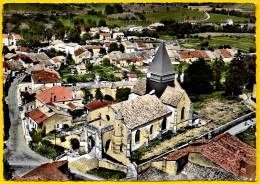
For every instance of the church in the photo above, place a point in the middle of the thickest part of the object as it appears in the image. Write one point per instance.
(155, 106)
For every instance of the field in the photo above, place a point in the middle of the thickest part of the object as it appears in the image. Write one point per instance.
(244, 43)
(69, 21)
(218, 18)
(245, 6)
(178, 15)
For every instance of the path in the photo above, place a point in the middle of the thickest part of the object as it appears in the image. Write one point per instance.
(241, 127)
(18, 153)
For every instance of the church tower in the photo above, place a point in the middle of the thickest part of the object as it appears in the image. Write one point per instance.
(160, 73)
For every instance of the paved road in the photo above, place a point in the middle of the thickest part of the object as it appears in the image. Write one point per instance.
(241, 127)
(18, 153)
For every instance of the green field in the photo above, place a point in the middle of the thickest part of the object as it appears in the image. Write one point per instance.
(216, 18)
(123, 23)
(178, 15)
(246, 6)
(69, 21)
(243, 42)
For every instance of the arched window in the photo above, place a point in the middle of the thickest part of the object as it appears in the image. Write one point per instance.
(182, 112)
(137, 136)
(108, 118)
(164, 124)
(151, 129)
(121, 147)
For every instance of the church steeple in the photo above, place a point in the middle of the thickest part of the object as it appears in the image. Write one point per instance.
(160, 72)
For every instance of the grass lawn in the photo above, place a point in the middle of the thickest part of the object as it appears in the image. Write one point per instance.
(246, 6)
(244, 43)
(107, 173)
(178, 15)
(168, 37)
(216, 18)
(123, 23)
(248, 136)
(69, 21)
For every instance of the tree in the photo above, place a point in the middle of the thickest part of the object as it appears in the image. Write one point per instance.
(70, 60)
(198, 78)
(106, 62)
(89, 66)
(217, 69)
(103, 51)
(102, 22)
(121, 48)
(113, 47)
(242, 71)
(133, 68)
(5, 50)
(109, 9)
(122, 93)
(87, 95)
(85, 37)
(99, 95)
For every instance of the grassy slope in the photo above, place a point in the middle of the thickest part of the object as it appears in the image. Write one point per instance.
(178, 15)
(244, 43)
(216, 18)
(248, 136)
(246, 6)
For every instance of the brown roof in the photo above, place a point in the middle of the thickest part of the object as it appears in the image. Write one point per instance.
(56, 94)
(78, 52)
(107, 44)
(24, 49)
(139, 87)
(6, 66)
(226, 151)
(37, 116)
(140, 44)
(18, 37)
(47, 172)
(15, 65)
(105, 34)
(133, 75)
(225, 53)
(94, 47)
(140, 110)
(43, 76)
(171, 96)
(5, 35)
(71, 105)
(194, 54)
(96, 104)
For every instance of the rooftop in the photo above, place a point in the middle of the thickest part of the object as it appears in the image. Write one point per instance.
(96, 104)
(43, 76)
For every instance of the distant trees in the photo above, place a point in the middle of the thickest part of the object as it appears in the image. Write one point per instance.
(110, 9)
(198, 78)
(242, 73)
(102, 22)
(113, 47)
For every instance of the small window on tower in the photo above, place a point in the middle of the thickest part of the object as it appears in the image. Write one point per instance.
(108, 118)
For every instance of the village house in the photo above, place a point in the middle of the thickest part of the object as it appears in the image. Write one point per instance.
(57, 94)
(9, 56)
(11, 39)
(5, 40)
(94, 48)
(132, 77)
(129, 47)
(81, 69)
(70, 48)
(105, 36)
(58, 45)
(82, 32)
(45, 172)
(96, 104)
(154, 26)
(40, 58)
(45, 78)
(118, 35)
(224, 54)
(56, 61)
(191, 56)
(81, 56)
(128, 62)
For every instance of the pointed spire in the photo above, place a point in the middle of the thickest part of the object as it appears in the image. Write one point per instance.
(161, 63)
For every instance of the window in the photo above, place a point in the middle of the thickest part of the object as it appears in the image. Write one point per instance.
(151, 129)
(164, 124)
(137, 136)
(108, 118)
(182, 112)
(121, 147)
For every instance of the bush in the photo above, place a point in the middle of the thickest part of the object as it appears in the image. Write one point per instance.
(63, 139)
(74, 143)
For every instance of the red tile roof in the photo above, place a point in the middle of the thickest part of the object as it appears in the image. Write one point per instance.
(56, 60)
(141, 44)
(25, 58)
(105, 34)
(71, 105)
(78, 52)
(24, 49)
(42, 76)
(5, 35)
(194, 54)
(4, 77)
(226, 151)
(6, 66)
(83, 30)
(94, 47)
(133, 75)
(56, 94)
(18, 37)
(192, 21)
(112, 39)
(96, 104)
(225, 53)
(37, 116)
(47, 172)
(107, 44)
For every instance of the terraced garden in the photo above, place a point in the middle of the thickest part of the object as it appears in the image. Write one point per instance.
(244, 43)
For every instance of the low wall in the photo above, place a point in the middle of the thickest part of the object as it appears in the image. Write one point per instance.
(111, 165)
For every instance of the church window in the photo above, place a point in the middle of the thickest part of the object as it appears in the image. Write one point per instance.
(164, 124)
(121, 147)
(137, 136)
(182, 112)
(151, 129)
(108, 118)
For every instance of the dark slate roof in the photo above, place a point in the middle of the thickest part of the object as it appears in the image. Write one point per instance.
(161, 63)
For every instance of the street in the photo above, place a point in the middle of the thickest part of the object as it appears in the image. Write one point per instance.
(18, 153)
